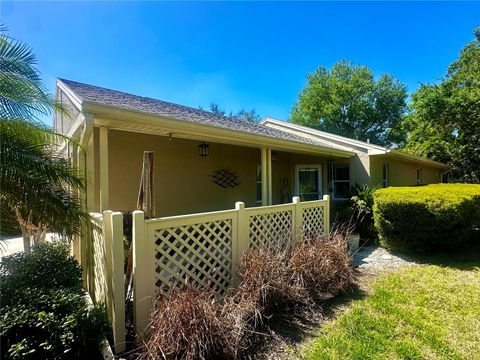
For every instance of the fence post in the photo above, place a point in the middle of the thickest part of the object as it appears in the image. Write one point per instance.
(326, 215)
(141, 297)
(240, 240)
(107, 244)
(118, 283)
(297, 225)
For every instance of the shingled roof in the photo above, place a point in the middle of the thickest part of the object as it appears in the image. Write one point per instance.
(122, 100)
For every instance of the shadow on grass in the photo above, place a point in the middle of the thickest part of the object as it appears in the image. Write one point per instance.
(293, 325)
(464, 257)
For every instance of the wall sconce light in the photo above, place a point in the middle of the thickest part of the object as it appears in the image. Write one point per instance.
(203, 149)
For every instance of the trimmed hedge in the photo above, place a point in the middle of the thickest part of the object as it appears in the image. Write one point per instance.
(427, 217)
(43, 310)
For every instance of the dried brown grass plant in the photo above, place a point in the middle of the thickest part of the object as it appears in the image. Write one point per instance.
(193, 324)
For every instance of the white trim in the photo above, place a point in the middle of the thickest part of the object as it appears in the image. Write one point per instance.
(385, 175)
(372, 149)
(77, 101)
(406, 156)
(329, 136)
(319, 167)
(128, 120)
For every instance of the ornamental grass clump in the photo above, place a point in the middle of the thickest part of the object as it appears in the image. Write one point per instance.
(187, 325)
(194, 324)
(322, 267)
(265, 288)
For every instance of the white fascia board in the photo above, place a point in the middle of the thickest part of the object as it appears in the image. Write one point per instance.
(328, 136)
(76, 101)
(113, 117)
(401, 155)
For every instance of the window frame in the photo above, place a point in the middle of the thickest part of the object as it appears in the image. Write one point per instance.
(334, 181)
(385, 175)
(319, 168)
(419, 176)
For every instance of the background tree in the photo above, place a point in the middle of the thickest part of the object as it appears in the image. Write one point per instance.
(445, 119)
(428, 134)
(35, 182)
(347, 100)
(242, 115)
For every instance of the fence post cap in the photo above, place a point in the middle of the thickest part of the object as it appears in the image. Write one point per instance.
(296, 199)
(138, 212)
(239, 205)
(326, 197)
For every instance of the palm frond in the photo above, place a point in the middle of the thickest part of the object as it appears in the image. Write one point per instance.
(22, 94)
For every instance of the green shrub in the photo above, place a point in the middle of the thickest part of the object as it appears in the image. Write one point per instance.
(427, 217)
(43, 313)
(357, 211)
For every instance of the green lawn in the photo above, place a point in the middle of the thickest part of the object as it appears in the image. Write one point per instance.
(422, 312)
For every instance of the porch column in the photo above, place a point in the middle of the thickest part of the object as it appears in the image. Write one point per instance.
(269, 176)
(266, 157)
(90, 164)
(85, 165)
(103, 150)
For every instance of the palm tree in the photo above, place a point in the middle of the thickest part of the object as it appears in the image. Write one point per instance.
(35, 182)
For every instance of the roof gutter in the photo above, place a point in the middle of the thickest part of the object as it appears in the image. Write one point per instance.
(409, 157)
(115, 117)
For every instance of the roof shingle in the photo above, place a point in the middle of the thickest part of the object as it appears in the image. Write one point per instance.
(122, 100)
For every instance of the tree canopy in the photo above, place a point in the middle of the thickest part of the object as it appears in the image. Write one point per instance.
(347, 100)
(444, 122)
(242, 115)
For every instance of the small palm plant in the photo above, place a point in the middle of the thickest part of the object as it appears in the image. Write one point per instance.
(36, 184)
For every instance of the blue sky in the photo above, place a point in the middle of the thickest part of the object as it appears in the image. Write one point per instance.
(239, 55)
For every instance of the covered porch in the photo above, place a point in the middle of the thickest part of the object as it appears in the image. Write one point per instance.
(203, 171)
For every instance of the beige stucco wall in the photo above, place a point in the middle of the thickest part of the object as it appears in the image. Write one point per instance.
(183, 182)
(402, 173)
(287, 162)
(359, 164)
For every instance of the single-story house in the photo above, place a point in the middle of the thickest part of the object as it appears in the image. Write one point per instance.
(205, 162)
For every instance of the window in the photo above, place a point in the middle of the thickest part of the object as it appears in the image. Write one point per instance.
(259, 184)
(419, 176)
(341, 181)
(385, 173)
(308, 182)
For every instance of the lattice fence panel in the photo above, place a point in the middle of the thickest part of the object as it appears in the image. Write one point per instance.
(312, 221)
(100, 290)
(199, 253)
(270, 230)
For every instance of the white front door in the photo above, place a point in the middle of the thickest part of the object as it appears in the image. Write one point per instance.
(308, 182)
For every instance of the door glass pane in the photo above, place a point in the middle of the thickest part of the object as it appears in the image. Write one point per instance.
(308, 179)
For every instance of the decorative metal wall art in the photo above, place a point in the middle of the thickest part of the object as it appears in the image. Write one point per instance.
(225, 178)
